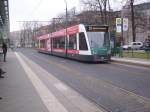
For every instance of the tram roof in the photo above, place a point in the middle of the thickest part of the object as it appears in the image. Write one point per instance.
(74, 29)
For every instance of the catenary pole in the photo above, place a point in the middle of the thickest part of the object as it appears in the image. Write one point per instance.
(66, 24)
(133, 20)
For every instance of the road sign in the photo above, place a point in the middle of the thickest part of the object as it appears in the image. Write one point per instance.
(125, 24)
(121, 23)
(118, 28)
(118, 21)
(118, 25)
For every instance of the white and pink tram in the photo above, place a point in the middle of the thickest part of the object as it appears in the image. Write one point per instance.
(79, 42)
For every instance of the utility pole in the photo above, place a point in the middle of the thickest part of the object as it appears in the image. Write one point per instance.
(148, 19)
(66, 40)
(133, 20)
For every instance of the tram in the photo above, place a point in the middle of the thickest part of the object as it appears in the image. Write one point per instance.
(89, 43)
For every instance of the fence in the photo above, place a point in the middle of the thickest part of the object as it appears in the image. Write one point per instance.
(143, 54)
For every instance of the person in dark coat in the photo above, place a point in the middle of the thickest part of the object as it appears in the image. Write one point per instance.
(4, 47)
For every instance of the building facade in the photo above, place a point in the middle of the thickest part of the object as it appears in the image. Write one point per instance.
(142, 22)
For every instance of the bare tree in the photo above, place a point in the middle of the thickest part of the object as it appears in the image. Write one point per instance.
(29, 33)
(137, 16)
(101, 6)
(59, 22)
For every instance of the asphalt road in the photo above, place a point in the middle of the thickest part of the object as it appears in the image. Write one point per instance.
(114, 87)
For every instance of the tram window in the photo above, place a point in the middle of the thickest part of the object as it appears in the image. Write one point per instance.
(106, 39)
(59, 42)
(82, 42)
(55, 43)
(72, 42)
(62, 42)
(42, 43)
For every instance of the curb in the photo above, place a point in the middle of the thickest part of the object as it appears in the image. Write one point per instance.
(130, 62)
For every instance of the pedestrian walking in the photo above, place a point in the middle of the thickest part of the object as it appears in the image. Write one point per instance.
(4, 47)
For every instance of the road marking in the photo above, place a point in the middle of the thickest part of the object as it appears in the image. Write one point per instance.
(50, 101)
(63, 61)
(61, 87)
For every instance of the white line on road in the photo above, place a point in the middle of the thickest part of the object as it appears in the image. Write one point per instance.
(50, 101)
(61, 87)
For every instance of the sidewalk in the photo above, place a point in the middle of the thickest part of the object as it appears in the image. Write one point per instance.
(132, 61)
(17, 92)
(29, 88)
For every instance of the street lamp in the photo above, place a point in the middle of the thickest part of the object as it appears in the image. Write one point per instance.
(66, 24)
(66, 6)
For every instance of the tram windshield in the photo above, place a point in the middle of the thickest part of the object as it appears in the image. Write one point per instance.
(98, 39)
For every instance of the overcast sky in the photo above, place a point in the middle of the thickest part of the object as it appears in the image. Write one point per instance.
(41, 10)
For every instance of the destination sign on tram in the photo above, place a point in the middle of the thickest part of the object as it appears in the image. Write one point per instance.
(97, 28)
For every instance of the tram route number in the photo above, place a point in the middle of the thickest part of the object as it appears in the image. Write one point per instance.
(97, 28)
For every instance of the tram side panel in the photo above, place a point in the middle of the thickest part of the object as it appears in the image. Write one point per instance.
(78, 47)
(72, 49)
(44, 44)
(58, 46)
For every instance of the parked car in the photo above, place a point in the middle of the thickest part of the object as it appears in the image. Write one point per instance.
(133, 45)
